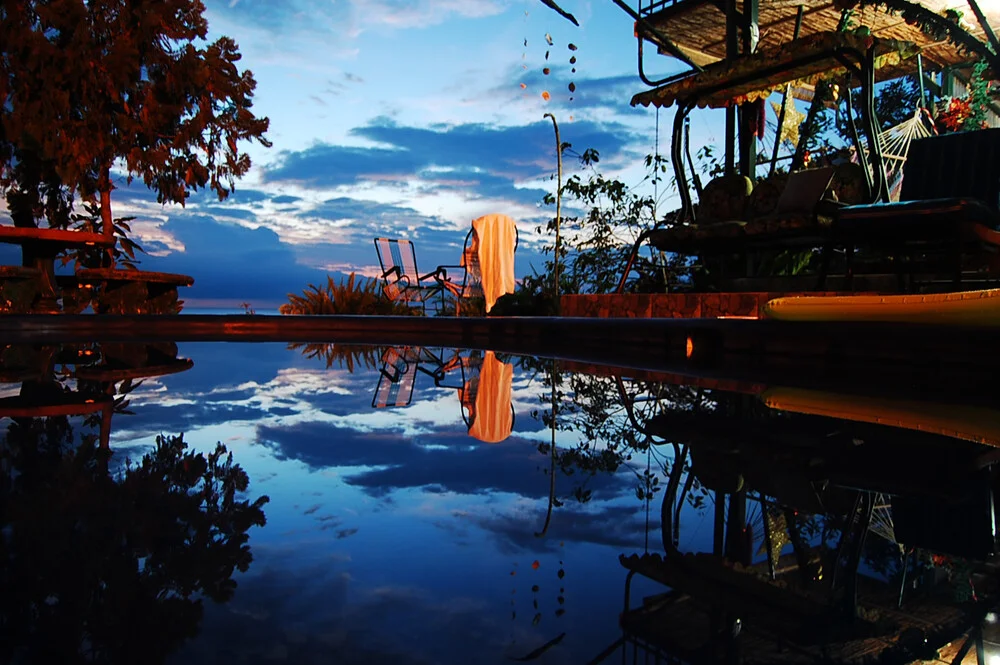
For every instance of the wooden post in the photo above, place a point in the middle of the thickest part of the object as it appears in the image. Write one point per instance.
(107, 220)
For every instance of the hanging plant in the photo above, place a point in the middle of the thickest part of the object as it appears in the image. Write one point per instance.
(954, 116)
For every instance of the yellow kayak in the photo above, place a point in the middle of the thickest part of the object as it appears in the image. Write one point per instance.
(970, 423)
(967, 308)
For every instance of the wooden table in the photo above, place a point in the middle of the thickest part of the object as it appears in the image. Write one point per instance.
(39, 249)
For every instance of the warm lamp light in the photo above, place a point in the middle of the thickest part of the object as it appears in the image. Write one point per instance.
(689, 348)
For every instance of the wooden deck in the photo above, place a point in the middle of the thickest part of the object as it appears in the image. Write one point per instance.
(680, 624)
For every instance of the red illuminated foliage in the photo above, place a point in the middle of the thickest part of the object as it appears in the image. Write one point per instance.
(87, 85)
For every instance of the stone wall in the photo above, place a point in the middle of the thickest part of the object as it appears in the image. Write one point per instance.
(667, 305)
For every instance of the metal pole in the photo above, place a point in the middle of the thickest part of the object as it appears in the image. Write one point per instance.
(985, 25)
(784, 99)
(732, 51)
(748, 139)
(920, 79)
(555, 279)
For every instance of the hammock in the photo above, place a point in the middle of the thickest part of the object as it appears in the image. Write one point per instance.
(896, 144)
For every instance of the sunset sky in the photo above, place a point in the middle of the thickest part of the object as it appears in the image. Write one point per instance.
(403, 119)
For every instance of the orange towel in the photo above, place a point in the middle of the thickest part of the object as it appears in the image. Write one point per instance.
(497, 235)
(493, 419)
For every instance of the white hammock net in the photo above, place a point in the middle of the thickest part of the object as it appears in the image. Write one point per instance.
(896, 145)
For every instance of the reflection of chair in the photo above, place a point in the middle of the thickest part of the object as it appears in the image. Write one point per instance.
(396, 378)
(402, 282)
(486, 401)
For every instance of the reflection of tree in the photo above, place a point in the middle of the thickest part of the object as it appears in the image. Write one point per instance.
(592, 406)
(111, 568)
(347, 356)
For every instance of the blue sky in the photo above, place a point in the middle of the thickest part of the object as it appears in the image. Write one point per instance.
(399, 118)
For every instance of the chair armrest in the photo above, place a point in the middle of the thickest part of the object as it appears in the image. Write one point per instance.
(393, 271)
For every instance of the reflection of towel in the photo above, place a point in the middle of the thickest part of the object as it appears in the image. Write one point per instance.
(493, 419)
(497, 236)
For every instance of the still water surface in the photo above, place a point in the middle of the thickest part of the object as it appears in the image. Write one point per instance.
(415, 509)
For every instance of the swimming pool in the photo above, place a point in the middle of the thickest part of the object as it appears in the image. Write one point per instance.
(416, 509)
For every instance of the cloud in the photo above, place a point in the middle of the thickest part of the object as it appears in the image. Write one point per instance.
(231, 261)
(475, 153)
(620, 526)
(349, 19)
(445, 460)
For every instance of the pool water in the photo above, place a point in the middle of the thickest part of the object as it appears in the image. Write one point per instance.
(391, 533)
(416, 510)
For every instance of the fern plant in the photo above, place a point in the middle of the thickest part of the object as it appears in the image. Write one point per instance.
(350, 296)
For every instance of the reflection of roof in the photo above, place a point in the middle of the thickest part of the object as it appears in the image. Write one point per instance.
(971, 423)
(802, 62)
(698, 26)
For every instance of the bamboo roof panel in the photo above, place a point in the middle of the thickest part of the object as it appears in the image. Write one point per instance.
(746, 79)
(698, 27)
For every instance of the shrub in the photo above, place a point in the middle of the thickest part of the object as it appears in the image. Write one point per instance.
(351, 296)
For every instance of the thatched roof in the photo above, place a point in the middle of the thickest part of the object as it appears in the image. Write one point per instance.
(800, 63)
(697, 27)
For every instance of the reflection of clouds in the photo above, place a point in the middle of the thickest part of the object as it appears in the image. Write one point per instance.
(392, 460)
(317, 612)
(621, 526)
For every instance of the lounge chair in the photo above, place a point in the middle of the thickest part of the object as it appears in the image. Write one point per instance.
(401, 281)
(949, 207)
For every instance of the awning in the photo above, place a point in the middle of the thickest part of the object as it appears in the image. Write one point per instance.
(801, 62)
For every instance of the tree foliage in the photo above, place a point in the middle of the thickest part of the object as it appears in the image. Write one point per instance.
(89, 84)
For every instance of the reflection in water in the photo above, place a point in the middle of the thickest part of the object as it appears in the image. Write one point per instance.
(484, 385)
(747, 523)
(821, 486)
(101, 566)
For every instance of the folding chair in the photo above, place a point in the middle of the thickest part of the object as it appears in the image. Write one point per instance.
(401, 279)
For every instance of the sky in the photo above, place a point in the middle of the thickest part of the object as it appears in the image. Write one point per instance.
(398, 118)
(407, 119)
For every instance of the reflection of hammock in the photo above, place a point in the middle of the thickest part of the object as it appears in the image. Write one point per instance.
(896, 145)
